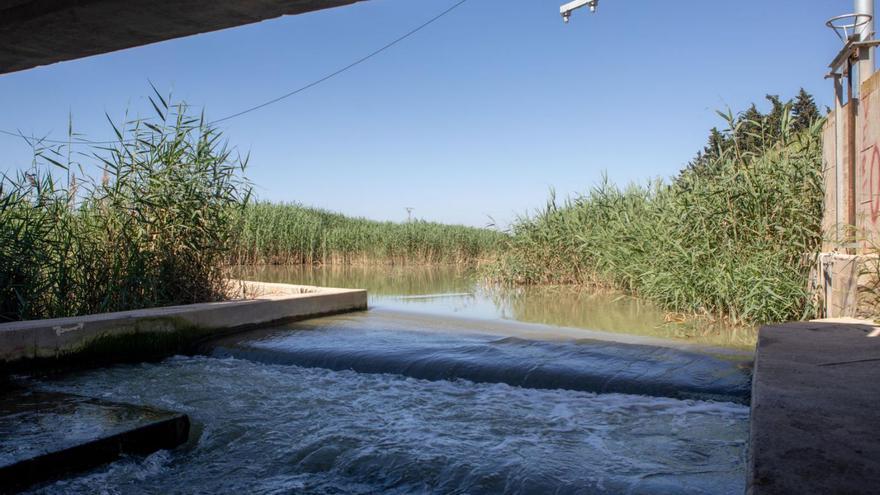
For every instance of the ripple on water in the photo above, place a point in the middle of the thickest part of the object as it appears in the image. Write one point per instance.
(286, 429)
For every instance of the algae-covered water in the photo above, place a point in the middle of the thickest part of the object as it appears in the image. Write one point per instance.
(441, 387)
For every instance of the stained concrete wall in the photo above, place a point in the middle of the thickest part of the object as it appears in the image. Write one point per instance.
(846, 284)
(867, 170)
(848, 265)
(868, 165)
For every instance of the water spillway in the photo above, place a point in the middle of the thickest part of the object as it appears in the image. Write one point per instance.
(441, 388)
(263, 428)
(453, 348)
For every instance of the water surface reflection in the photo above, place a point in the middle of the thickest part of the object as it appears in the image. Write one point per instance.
(453, 290)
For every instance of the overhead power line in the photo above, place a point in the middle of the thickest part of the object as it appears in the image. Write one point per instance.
(278, 98)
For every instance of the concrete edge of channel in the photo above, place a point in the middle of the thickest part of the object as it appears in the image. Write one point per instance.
(254, 305)
(813, 410)
(167, 432)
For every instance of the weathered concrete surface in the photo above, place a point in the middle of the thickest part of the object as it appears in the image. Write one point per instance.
(267, 304)
(815, 422)
(40, 32)
(44, 435)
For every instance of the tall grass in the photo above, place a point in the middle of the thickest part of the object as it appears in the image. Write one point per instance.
(735, 237)
(292, 234)
(154, 230)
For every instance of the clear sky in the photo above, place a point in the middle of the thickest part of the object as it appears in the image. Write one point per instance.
(478, 115)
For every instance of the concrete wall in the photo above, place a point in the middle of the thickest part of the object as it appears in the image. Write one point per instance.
(267, 304)
(868, 165)
(867, 156)
(848, 265)
(837, 280)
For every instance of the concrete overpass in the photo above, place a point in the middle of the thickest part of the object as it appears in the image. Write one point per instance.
(40, 32)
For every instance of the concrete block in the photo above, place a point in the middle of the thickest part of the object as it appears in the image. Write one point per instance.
(103, 432)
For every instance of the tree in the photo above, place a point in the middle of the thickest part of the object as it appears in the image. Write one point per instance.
(753, 132)
(804, 111)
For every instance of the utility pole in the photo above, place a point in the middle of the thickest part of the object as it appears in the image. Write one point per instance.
(409, 210)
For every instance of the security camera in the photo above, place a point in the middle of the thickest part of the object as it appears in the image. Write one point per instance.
(568, 8)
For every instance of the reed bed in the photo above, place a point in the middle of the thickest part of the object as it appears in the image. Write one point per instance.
(735, 237)
(292, 234)
(154, 230)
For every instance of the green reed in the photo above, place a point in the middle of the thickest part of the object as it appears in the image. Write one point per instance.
(154, 230)
(735, 238)
(274, 233)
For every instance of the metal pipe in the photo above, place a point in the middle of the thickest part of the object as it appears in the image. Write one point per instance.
(838, 159)
(850, 144)
(865, 33)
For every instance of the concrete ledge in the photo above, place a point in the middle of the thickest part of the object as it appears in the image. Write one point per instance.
(102, 334)
(86, 433)
(815, 401)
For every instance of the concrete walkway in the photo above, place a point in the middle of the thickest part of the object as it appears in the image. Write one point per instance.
(815, 423)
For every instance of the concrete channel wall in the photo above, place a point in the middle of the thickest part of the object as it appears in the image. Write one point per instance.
(257, 304)
(814, 420)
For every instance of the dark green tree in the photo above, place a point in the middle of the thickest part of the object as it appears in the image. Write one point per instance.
(772, 127)
(804, 111)
(752, 132)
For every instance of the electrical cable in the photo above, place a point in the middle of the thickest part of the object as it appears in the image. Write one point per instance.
(276, 99)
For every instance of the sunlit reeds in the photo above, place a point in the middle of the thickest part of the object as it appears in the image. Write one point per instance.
(292, 234)
(736, 239)
(154, 229)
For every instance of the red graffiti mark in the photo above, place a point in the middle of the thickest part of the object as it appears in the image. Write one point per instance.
(874, 182)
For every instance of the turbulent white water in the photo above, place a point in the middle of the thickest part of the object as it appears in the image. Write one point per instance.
(262, 428)
(411, 399)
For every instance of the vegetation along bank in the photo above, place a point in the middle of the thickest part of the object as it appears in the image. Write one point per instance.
(734, 234)
(292, 234)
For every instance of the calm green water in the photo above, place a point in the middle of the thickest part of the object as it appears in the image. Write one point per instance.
(453, 290)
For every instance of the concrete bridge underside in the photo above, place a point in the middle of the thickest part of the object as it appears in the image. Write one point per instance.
(40, 32)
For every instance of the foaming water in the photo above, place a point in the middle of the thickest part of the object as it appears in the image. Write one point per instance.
(264, 428)
(420, 346)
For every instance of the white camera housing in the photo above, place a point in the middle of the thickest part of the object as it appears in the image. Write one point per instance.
(568, 8)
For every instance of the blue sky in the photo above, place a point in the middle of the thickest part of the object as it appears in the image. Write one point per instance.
(478, 115)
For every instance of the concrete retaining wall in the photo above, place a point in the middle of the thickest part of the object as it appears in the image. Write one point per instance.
(264, 304)
(847, 285)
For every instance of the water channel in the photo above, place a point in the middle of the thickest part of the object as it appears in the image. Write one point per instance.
(443, 386)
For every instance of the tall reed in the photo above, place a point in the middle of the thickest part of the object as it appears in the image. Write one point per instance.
(274, 233)
(734, 237)
(154, 230)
